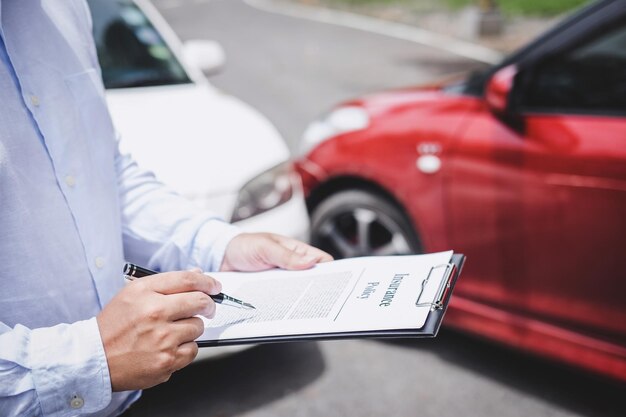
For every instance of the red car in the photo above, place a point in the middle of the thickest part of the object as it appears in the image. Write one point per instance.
(522, 168)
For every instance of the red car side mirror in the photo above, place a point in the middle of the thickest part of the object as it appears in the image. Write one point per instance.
(499, 88)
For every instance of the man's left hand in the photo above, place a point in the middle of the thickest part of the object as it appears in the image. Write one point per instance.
(260, 251)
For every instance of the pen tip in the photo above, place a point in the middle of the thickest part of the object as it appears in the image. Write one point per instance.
(249, 306)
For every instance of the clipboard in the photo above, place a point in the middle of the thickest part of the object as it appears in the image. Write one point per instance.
(437, 310)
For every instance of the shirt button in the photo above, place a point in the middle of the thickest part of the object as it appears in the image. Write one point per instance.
(99, 262)
(34, 100)
(77, 402)
(70, 181)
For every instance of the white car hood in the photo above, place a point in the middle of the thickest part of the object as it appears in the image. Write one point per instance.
(199, 141)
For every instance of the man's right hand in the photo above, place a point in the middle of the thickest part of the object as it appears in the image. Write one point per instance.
(148, 329)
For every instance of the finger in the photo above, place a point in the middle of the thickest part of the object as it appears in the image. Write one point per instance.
(303, 249)
(185, 353)
(183, 331)
(287, 254)
(188, 330)
(318, 254)
(188, 304)
(302, 255)
(182, 281)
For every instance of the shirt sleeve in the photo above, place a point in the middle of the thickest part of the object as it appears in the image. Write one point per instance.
(54, 371)
(163, 230)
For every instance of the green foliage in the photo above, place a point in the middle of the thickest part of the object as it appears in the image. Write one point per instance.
(510, 7)
(528, 7)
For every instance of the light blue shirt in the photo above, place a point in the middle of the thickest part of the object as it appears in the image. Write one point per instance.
(72, 209)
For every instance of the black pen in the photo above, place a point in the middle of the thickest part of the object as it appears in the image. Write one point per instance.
(132, 272)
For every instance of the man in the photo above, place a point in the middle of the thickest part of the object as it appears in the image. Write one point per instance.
(73, 339)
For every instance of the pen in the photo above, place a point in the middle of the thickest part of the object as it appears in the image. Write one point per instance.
(132, 272)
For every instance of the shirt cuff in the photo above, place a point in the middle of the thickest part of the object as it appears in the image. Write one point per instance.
(211, 242)
(69, 369)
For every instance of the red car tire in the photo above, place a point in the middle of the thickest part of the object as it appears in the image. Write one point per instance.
(360, 223)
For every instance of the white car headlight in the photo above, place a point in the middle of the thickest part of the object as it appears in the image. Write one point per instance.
(341, 120)
(264, 192)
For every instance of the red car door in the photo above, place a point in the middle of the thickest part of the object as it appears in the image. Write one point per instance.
(574, 106)
(575, 222)
(488, 187)
(539, 206)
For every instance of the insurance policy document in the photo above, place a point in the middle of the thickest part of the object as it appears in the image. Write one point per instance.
(348, 295)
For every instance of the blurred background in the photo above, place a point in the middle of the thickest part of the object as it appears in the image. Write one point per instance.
(494, 128)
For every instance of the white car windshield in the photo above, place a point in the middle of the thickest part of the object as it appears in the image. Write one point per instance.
(130, 50)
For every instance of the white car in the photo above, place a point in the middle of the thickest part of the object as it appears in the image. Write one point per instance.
(209, 146)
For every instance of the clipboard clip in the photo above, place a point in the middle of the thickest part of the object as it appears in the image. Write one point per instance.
(444, 286)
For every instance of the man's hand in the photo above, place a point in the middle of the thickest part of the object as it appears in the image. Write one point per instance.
(148, 329)
(259, 251)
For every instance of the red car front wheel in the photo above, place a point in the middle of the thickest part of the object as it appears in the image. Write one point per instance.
(359, 223)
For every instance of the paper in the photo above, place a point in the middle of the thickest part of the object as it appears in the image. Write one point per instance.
(349, 295)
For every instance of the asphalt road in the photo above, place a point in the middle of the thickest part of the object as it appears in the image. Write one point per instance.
(292, 70)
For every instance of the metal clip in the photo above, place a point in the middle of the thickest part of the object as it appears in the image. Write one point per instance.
(438, 301)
